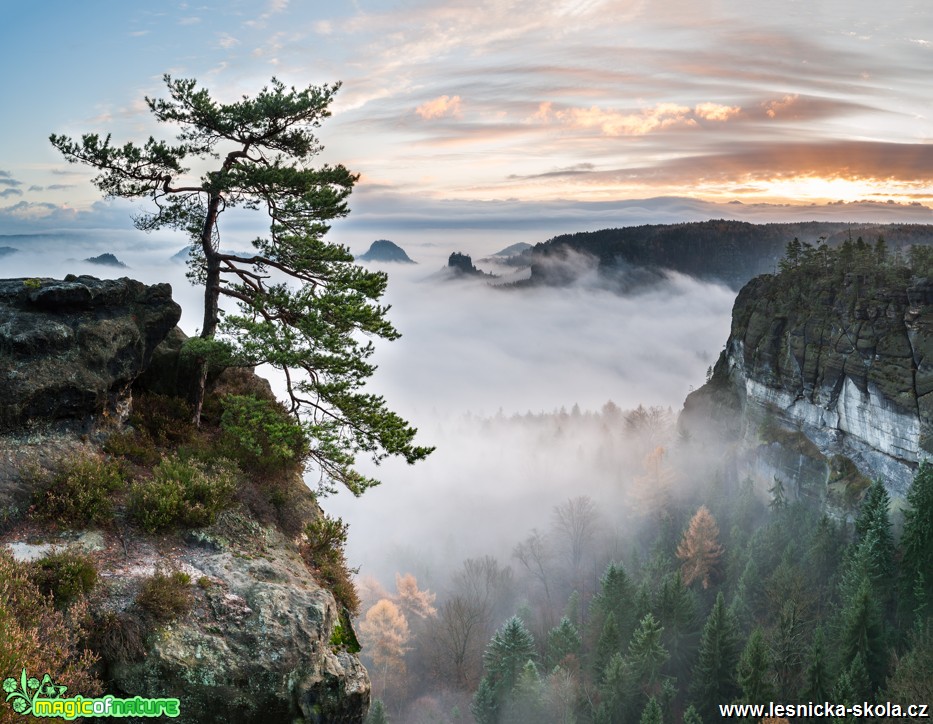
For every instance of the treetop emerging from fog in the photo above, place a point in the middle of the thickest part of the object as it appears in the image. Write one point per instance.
(302, 302)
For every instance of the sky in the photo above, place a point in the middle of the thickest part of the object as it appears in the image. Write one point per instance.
(524, 116)
(473, 125)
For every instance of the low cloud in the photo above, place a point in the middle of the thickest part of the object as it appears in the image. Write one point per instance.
(716, 112)
(441, 107)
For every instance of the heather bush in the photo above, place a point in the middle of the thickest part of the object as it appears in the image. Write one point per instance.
(65, 575)
(166, 595)
(323, 552)
(80, 492)
(183, 493)
(37, 637)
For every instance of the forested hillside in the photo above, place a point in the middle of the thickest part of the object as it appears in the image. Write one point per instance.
(693, 592)
(728, 251)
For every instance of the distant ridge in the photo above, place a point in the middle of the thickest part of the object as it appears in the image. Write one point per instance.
(385, 250)
(7, 250)
(107, 259)
(722, 250)
(513, 249)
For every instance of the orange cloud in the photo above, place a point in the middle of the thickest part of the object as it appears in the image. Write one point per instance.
(716, 112)
(439, 107)
(615, 123)
(775, 108)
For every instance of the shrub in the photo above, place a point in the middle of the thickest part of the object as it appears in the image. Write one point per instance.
(37, 637)
(65, 575)
(118, 637)
(80, 492)
(187, 493)
(323, 552)
(166, 420)
(261, 436)
(134, 445)
(166, 595)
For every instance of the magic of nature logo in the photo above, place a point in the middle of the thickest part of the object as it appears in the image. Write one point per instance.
(44, 698)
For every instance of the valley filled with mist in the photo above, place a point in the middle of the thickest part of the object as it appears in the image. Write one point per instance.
(573, 551)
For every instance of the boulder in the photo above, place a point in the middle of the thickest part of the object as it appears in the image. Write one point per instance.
(71, 348)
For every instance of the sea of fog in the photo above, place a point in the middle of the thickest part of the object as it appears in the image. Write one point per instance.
(471, 355)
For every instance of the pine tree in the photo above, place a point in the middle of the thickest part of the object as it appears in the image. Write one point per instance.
(754, 670)
(699, 549)
(304, 307)
(714, 674)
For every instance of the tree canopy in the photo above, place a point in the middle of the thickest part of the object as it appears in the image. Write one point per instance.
(302, 305)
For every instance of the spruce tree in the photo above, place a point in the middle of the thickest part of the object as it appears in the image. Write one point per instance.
(754, 673)
(862, 635)
(652, 713)
(646, 655)
(609, 645)
(509, 651)
(562, 641)
(818, 679)
(917, 546)
(714, 674)
(692, 716)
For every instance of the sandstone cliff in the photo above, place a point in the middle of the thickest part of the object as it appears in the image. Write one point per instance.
(826, 379)
(260, 639)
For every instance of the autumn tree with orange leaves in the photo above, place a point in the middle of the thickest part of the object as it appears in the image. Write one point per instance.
(699, 549)
(385, 635)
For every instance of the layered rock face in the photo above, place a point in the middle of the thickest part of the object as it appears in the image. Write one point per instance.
(825, 379)
(72, 348)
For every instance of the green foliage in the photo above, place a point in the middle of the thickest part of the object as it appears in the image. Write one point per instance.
(80, 493)
(183, 493)
(508, 654)
(66, 575)
(166, 596)
(818, 681)
(323, 550)
(563, 641)
(32, 283)
(754, 671)
(652, 713)
(304, 306)
(343, 636)
(714, 674)
(917, 546)
(261, 436)
(646, 655)
(377, 713)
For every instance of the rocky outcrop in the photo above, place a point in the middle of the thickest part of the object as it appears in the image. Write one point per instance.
(257, 646)
(72, 348)
(385, 250)
(827, 381)
(259, 643)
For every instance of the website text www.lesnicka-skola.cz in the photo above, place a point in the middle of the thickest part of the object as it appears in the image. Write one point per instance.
(825, 709)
